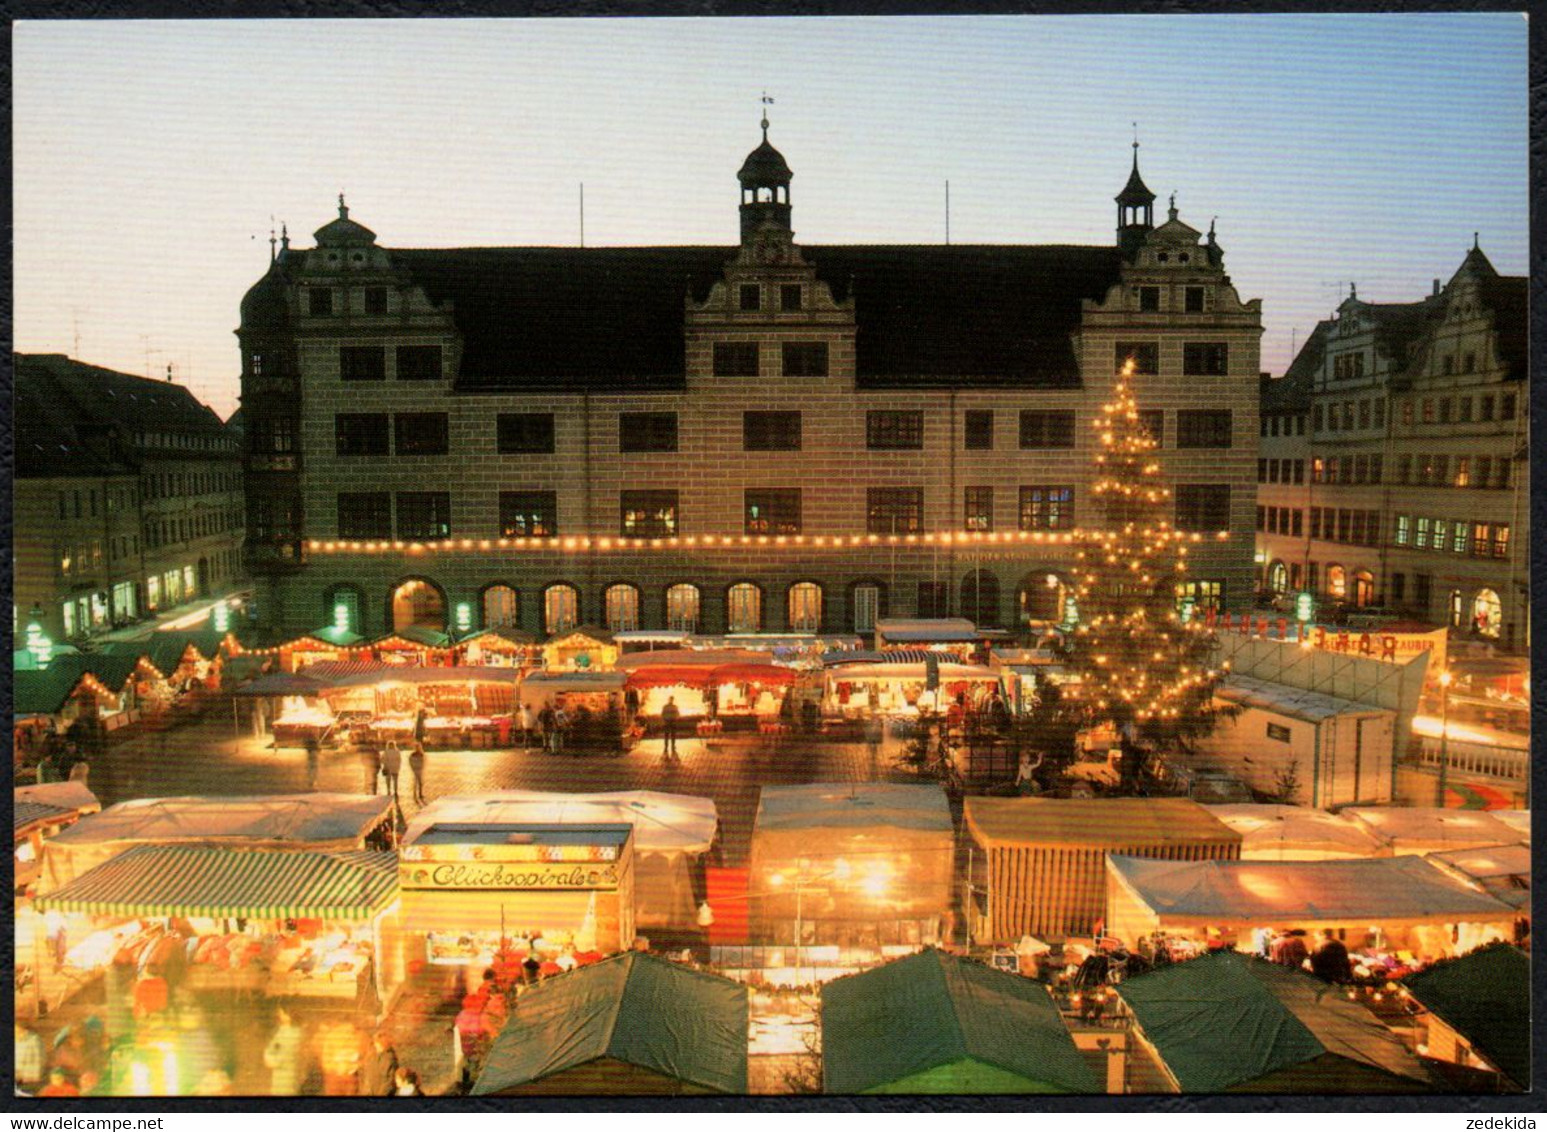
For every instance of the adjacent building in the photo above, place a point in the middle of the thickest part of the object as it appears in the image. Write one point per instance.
(1393, 463)
(127, 497)
(766, 437)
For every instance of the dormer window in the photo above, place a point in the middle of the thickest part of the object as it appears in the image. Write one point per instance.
(1163, 257)
(1183, 258)
(751, 297)
(1193, 299)
(1149, 298)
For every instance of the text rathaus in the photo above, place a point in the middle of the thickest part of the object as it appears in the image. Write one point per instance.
(760, 438)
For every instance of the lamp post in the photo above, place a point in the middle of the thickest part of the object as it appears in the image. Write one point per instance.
(1445, 679)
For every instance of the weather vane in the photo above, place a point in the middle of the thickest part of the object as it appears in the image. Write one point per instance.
(767, 102)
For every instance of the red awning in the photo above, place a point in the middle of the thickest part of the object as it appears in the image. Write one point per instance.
(754, 674)
(670, 675)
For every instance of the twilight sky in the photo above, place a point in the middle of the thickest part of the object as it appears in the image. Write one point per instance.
(149, 156)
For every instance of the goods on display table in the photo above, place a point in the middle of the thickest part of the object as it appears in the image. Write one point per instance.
(1393, 914)
(727, 692)
(1297, 833)
(956, 637)
(333, 822)
(592, 703)
(1039, 867)
(901, 690)
(469, 888)
(499, 647)
(672, 832)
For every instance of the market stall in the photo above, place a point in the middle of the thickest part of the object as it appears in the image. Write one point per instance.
(1419, 830)
(324, 646)
(40, 813)
(1502, 871)
(1517, 820)
(1393, 913)
(584, 649)
(593, 705)
(474, 890)
(318, 822)
(900, 690)
(414, 645)
(968, 1027)
(672, 832)
(290, 707)
(953, 636)
(100, 688)
(464, 705)
(737, 692)
(1038, 866)
(1475, 1011)
(635, 1025)
(220, 920)
(852, 869)
(1227, 1023)
(1297, 833)
(501, 646)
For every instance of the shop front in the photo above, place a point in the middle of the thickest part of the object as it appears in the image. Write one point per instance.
(498, 647)
(476, 890)
(594, 711)
(738, 694)
(584, 649)
(904, 690)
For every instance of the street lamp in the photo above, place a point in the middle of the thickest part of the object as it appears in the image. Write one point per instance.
(1445, 679)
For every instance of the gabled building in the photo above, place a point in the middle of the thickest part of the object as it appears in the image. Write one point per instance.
(765, 437)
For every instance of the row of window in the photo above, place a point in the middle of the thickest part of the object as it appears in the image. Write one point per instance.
(749, 296)
(1485, 617)
(1452, 536)
(323, 301)
(1459, 410)
(1147, 298)
(745, 359)
(1283, 424)
(1428, 470)
(1199, 359)
(1281, 471)
(165, 531)
(369, 363)
(1364, 468)
(1280, 520)
(1349, 416)
(655, 514)
(1341, 524)
(193, 441)
(173, 485)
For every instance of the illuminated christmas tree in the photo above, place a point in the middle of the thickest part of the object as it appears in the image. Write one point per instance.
(1144, 664)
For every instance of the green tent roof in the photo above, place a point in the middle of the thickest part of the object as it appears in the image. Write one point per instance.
(1228, 1021)
(44, 691)
(891, 1025)
(635, 1008)
(1486, 998)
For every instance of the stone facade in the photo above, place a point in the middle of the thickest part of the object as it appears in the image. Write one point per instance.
(1410, 421)
(937, 475)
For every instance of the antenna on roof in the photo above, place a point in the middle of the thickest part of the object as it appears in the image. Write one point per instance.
(169, 372)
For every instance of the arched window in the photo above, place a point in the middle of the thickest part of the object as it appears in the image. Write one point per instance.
(743, 608)
(866, 606)
(622, 601)
(561, 608)
(682, 602)
(1278, 578)
(342, 609)
(501, 607)
(1040, 597)
(1337, 582)
(805, 607)
(418, 603)
(1487, 614)
(980, 598)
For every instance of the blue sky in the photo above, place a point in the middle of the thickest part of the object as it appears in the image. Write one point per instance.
(150, 155)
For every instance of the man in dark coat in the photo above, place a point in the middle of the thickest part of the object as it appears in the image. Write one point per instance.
(1330, 963)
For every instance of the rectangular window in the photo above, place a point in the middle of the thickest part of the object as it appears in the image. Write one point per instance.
(523, 433)
(978, 429)
(1404, 468)
(1149, 298)
(1364, 414)
(1501, 540)
(1399, 536)
(1441, 470)
(647, 432)
(1398, 587)
(1361, 468)
(1428, 410)
(1261, 525)
(419, 363)
(1278, 733)
(364, 514)
(1503, 469)
(1380, 412)
(1464, 410)
(1203, 428)
(1485, 407)
(1421, 533)
(648, 514)
(894, 510)
(529, 514)
(751, 297)
(362, 363)
(765, 431)
(319, 301)
(1144, 355)
(421, 434)
(978, 507)
(772, 511)
(424, 514)
(805, 359)
(1457, 537)
(1153, 424)
(1262, 470)
(1444, 410)
(1205, 359)
(1297, 524)
(1407, 412)
(1357, 534)
(790, 296)
(361, 434)
(1507, 407)
(1463, 471)
(1441, 534)
(1348, 416)
(735, 359)
(1192, 300)
(375, 300)
(1047, 508)
(1377, 462)
(1484, 471)
(1203, 507)
(1043, 428)
(1481, 542)
(894, 429)
(1316, 418)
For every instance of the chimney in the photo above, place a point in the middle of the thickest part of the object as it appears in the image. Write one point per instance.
(1436, 290)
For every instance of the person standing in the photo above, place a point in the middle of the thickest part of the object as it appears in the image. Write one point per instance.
(313, 757)
(670, 714)
(392, 767)
(370, 767)
(405, 1083)
(377, 1076)
(545, 726)
(1330, 963)
(421, 727)
(560, 726)
(282, 1057)
(416, 771)
(524, 722)
(1289, 949)
(875, 733)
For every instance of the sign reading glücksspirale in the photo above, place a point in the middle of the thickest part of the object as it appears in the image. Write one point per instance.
(509, 875)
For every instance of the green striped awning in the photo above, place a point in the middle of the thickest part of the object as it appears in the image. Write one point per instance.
(257, 884)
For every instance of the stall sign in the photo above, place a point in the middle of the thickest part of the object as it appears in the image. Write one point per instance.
(509, 875)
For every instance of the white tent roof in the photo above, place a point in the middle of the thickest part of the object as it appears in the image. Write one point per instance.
(826, 805)
(1287, 700)
(1283, 833)
(663, 823)
(1517, 820)
(280, 817)
(1428, 829)
(60, 795)
(909, 671)
(1405, 889)
(938, 629)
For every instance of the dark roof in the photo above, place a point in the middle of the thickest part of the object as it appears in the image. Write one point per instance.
(1398, 326)
(52, 441)
(1485, 997)
(765, 165)
(1291, 393)
(44, 691)
(1135, 191)
(613, 317)
(1505, 295)
(266, 305)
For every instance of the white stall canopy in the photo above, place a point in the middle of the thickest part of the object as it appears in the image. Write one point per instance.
(1430, 829)
(663, 823)
(1297, 833)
